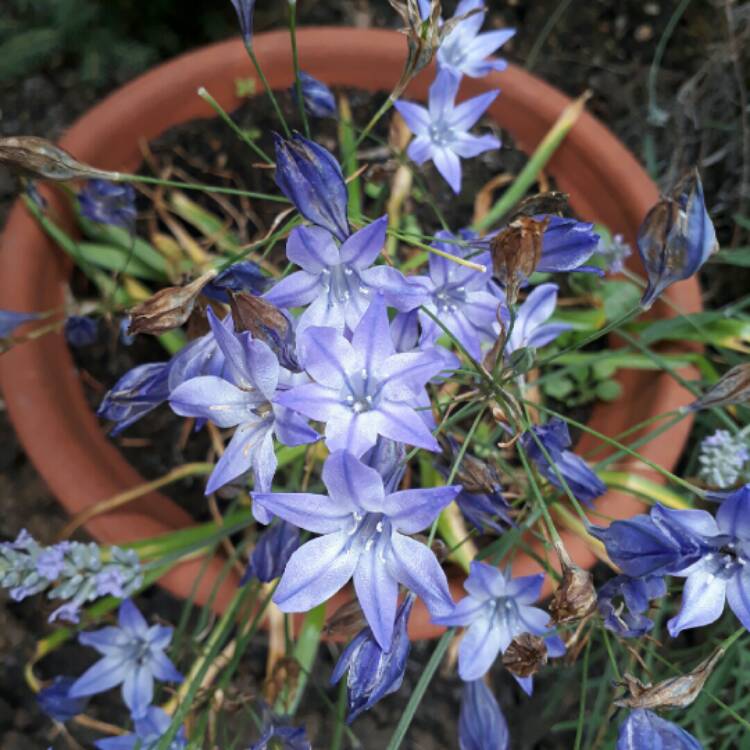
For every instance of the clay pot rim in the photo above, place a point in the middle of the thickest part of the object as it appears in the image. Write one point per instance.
(77, 460)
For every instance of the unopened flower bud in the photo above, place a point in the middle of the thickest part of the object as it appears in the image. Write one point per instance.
(41, 159)
(167, 309)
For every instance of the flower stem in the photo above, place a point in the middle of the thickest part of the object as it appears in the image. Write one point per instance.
(269, 90)
(297, 78)
(239, 132)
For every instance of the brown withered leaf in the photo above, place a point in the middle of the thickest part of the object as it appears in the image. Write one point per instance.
(347, 620)
(574, 598)
(169, 308)
(732, 388)
(551, 202)
(675, 692)
(39, 158)
(516, 252)
(526, 655)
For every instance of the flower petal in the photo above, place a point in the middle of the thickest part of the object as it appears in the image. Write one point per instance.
(377, 591)
(100, 677)
(400, 422)
(416, 117)
(351, 484)
(326, 355)
(479, 648)
(238, 456)
(362, 248)
(215, 399)
(312, 248)
(315, 572)
(703, 599)
(449, 166)
(313, 400)
(295, 290)
(318, 513)
(410, 511)
(138, 690)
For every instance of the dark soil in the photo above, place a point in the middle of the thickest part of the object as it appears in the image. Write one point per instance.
(606, 46)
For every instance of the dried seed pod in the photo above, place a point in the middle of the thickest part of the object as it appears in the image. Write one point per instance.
(516, 252)
(575, 597)
(732, 388)
(526, 655)
(167, 309)
(551, 202)
(675, 692)
(41, 159)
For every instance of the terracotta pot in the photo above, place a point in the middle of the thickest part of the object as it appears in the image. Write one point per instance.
(41, 385)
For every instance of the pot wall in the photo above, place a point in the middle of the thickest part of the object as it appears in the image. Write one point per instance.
(39, 381)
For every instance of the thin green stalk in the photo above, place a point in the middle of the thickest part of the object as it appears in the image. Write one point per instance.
(338, 729)
(146, 180)
(297, 77)
(551, 528)
(421, 688)
(582, 700)
(555, 16)
(238, 131)
(269, 90)
(385, 107)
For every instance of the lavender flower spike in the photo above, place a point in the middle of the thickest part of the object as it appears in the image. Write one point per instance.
(312, 179)
(243, 398)
(644, 729)
(374, 672)
(132, 656)
(676, 238)
(337, 281)
(363, 389)
(365, 537)
(481, 724)
(497, 609)
(442, 130)
(465, 51)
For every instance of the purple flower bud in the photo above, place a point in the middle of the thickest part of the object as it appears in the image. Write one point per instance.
(245, 9)
(278, 735)
(629, 620)
(108, 202)
(135, 394)
(481, 724)
(676, 237)
(319, 99)
(644, 729)
(312, 179)
(57, 704)
(555, 438)
(9, 321)
(272, 552)
(244, 276)
(81, 330)
(373, 672)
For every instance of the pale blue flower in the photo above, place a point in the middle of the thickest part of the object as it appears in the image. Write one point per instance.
(644, 730)
(497, 609)
(362, 388)
(365, 537)
(148, 732)
(442, 129)
(338, 281)
(243, 397)
(133, 655)
(481, 724)
(530, 328)
(465, 51)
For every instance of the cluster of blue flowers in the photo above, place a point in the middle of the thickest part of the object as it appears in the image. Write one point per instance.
(348, 357)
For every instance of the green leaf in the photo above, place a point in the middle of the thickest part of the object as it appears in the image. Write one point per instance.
(26, 51)
(608, 390)
(559, 387)
(619, 297)
(739, 256)
(116, 259)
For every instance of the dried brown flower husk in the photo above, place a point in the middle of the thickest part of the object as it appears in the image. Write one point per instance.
(574, 598)
(526, 655)
(169, 308)
(258, 316)
(39, 158)
(551, 202)
(475, 476)
(516, 252)
(675, 692)
(423, 37)
(732, 388)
